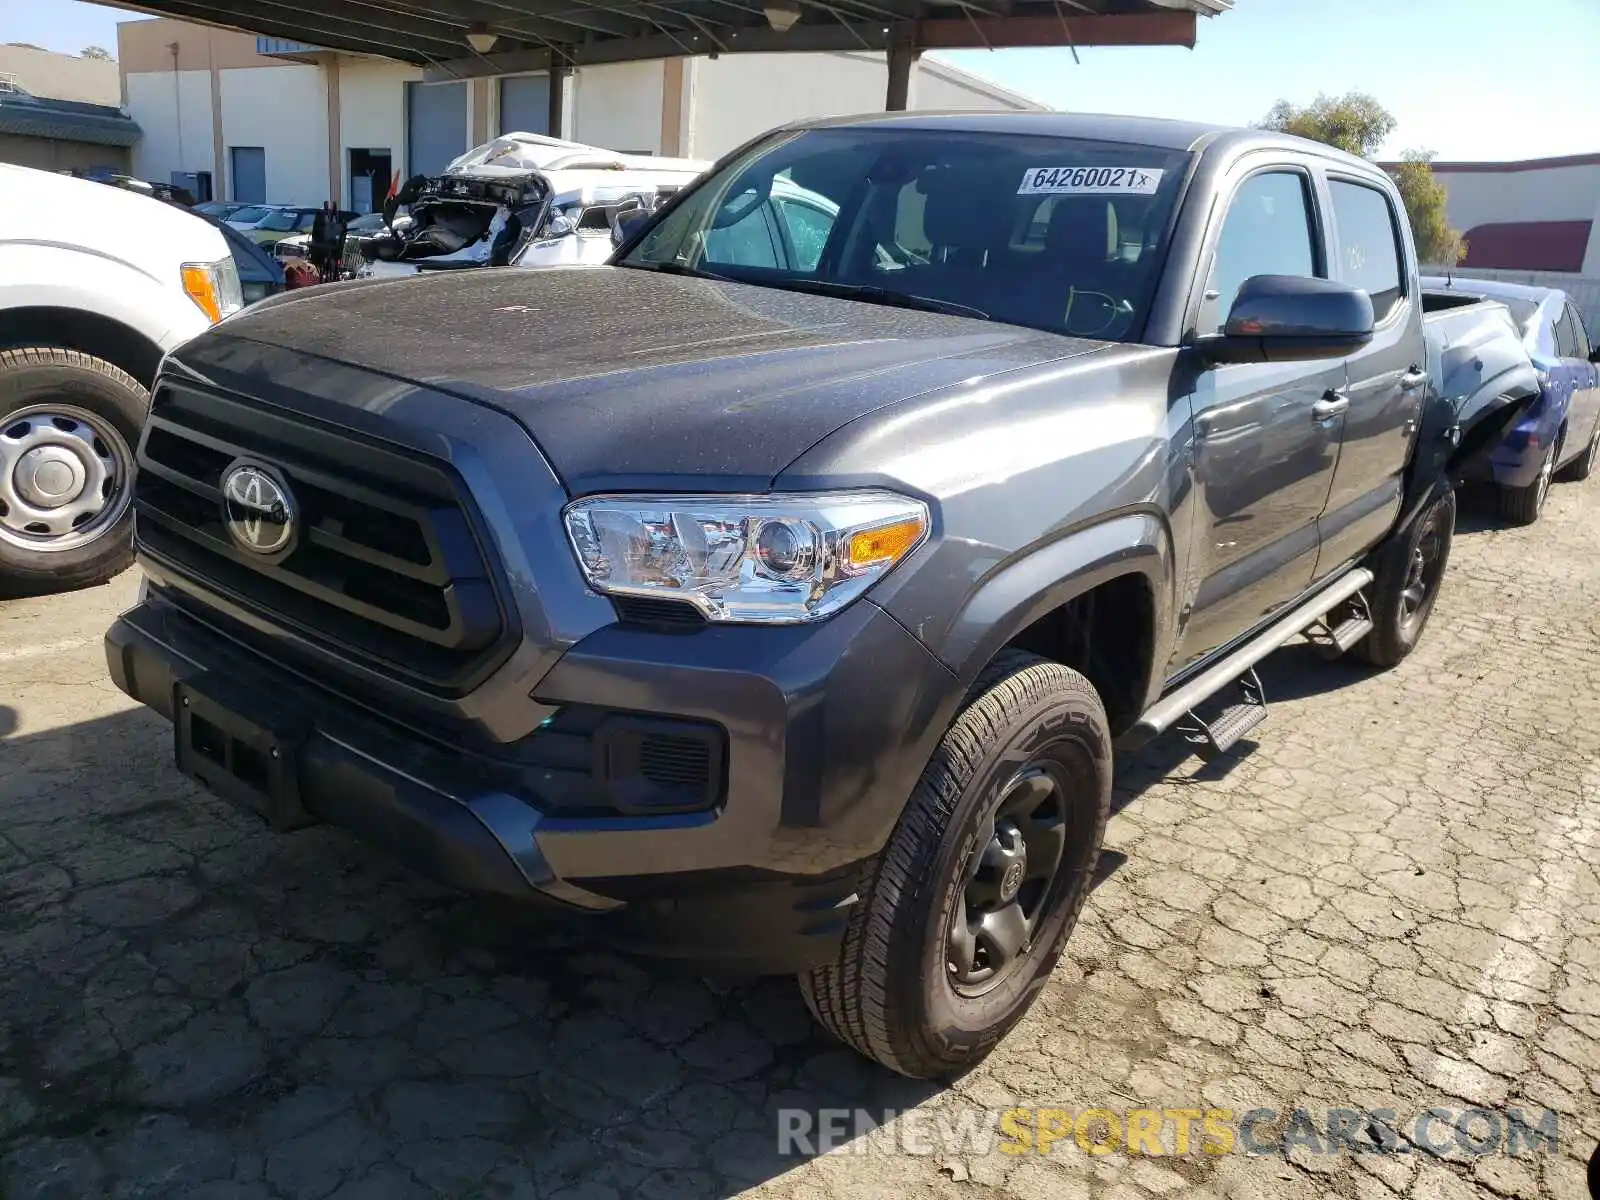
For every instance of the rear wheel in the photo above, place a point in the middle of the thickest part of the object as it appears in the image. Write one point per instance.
(68, 423)
(982, 880)
(1407, 573)
(1524, 504)
(1583, 466)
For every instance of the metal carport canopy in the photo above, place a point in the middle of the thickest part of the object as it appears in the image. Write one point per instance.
(532, 35)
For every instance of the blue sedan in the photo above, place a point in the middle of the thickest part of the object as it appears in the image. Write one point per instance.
(1558, 436)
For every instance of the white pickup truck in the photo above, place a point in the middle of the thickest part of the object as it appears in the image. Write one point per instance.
(96, 284)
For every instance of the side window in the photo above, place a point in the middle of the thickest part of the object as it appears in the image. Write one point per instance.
(1369, 244)
(1567, 335)
(1267, 232)
(1580, 334)
(808, 228)
(746, 241)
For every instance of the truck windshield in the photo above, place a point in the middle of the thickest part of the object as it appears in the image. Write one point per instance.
(1065, 235)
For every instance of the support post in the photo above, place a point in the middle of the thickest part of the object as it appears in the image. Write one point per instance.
(560, 68)
(903, 55)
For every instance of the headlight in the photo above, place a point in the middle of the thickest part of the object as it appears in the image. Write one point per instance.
(214, 287)
(772, 560)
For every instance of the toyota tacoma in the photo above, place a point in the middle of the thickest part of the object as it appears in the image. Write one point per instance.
(775, 595)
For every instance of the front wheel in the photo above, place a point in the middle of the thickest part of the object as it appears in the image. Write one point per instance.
(1407, 573)
(68, 422)
(982, 880)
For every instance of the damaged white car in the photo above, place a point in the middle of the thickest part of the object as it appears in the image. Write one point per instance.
(521, 200)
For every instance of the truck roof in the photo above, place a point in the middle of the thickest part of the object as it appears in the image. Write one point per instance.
(1161, 132)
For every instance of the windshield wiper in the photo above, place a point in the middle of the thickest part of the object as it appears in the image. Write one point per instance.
(874, 294)
(673, 267)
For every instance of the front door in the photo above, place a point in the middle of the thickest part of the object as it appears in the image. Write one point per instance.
(1264, 453)
(1387, 378)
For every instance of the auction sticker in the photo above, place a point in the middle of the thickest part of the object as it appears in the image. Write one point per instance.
(1090, 181)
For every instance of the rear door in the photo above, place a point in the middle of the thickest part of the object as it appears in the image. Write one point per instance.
(1386, 381)
(1264, 455)
(1583, 417)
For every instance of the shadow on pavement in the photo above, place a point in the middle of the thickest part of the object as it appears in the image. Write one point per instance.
(188, 1001)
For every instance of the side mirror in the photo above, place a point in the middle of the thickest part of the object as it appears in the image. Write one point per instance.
(627, 223)
(1594, 355)
(1285, 318)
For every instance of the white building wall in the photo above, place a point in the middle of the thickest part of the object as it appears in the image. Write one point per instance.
(618, 106)
(1543, 194)
(372, 109)
(738, 96)
(157, 100)
(284, 110)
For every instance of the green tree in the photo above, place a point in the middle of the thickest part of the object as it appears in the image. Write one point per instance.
(1424, 197)
(97, 52)
(1357, 124)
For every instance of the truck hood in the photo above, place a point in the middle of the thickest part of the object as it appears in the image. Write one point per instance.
(637, 379)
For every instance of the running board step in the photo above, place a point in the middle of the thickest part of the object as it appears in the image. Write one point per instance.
(1212, 739)
(1351, 632)
(1334, 640)
(1184, 699)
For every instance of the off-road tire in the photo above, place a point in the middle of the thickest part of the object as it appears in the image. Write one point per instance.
(1583, 466)
(1395, 632)
(1522, 505)
(36, 375)
(887, 995)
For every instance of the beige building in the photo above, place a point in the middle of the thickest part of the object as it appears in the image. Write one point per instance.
(258, 118)
(61, 112)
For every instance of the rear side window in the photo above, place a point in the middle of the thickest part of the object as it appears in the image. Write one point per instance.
(1267, 231)
(1369, 244)
(1580, 332)
(1570, 341)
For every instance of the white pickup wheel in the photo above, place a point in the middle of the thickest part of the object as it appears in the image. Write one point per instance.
(68, 424)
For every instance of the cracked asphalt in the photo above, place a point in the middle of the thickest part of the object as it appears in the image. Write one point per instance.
(1391, 902)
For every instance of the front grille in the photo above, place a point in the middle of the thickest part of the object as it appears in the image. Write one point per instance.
(387, 568)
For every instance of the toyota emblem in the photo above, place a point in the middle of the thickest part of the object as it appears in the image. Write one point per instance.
(258, 509)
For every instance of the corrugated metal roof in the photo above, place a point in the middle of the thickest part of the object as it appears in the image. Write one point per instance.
(528, 34)
(66, 120)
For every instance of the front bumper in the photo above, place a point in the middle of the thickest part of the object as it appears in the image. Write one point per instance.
(827, 728)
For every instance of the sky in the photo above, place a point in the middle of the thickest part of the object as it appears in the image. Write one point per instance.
(1467, 79)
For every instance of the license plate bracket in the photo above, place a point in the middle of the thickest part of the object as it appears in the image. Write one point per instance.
(252, 762)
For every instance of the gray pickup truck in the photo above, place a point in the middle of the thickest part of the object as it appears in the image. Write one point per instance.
(775, 596)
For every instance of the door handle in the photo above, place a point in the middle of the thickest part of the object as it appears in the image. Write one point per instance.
(1331, 405)
(1412, 380)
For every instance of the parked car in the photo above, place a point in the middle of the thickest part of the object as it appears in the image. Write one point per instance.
(86, 312)
(783, 612)
(360, 230)
(285, 222)
(219, 210)
(169, 192)
(522, 200)
(251, 215)
(1559, 435)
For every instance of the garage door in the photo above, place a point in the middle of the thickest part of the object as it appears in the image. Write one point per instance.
(525, 104)
(436, 125)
